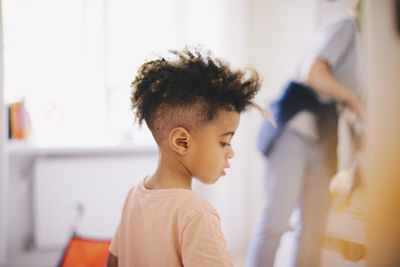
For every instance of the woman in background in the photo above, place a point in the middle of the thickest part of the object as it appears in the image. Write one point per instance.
(301, 151)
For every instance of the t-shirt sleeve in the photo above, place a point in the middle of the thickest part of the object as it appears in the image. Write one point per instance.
(203, 243)
(334, 41)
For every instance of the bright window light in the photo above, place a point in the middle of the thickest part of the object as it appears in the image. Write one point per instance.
(72, 61)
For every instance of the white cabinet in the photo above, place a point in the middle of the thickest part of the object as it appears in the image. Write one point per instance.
(99, 184)
(44, 183)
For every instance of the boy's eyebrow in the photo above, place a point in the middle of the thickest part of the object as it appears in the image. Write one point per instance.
(228, 133)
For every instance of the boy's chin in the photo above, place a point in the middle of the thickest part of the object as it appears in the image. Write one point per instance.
(209, 180)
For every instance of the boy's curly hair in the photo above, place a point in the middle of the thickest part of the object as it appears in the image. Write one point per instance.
(189, 90)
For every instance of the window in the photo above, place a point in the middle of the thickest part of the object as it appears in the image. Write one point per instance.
(73, 60)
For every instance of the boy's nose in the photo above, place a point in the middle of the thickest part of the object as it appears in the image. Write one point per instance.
(231, 153)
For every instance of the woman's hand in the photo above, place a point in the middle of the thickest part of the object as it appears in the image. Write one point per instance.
(355, 106)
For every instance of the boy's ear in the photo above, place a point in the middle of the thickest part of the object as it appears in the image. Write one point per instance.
(179, 140)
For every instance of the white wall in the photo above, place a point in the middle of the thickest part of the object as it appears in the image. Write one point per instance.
(278, 36)
(3, 160)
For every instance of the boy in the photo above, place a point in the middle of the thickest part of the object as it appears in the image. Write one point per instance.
(192, 107)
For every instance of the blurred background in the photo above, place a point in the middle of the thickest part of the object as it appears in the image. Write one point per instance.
(70, 64)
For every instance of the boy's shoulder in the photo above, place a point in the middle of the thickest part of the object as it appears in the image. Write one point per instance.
(196, 202)
(192, 206)
(185, 202)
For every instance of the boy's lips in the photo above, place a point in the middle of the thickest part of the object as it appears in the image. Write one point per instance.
(223, 170)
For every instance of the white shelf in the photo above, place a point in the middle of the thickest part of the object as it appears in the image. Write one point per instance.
(21, 148)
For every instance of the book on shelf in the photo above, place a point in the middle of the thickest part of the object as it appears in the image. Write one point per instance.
(19, 123)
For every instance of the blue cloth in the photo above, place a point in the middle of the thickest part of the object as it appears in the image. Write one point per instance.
(295, 98)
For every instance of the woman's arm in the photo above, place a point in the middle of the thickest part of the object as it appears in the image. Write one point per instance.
(323, 82)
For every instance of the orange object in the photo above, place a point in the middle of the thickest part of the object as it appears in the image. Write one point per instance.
(17, 120)
(84, 252)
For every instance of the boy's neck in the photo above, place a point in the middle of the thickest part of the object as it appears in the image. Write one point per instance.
(170, 173)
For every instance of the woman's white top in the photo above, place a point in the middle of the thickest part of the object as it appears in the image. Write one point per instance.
(338, 43)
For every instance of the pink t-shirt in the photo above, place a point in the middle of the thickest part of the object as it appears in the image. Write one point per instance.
(169, 227)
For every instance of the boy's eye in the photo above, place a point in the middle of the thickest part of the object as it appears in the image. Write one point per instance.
(225, 144)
